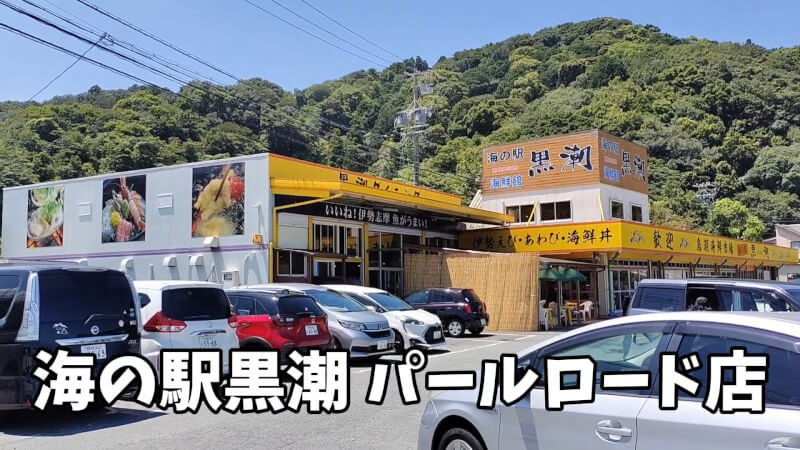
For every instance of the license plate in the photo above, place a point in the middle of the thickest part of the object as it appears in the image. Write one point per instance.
(437, 334)
(383, 345)
(483, 322)
(208, 341)
(311, 330)
(99, 350)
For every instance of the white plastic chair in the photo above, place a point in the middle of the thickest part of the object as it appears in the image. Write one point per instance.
(587, 310)
(544, 316)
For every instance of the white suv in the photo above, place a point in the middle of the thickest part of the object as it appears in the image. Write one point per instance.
(186, 315)
(412, 327)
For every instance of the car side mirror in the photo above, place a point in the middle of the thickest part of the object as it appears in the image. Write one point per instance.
(371, 308)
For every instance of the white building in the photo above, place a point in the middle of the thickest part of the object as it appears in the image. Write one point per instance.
(787, 236)
(216, 220)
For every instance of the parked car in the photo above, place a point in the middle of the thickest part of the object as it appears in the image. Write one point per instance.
(629, 419)
(279, 319)
(722, 294)
(365, 333)
(85, 310)
(186, 314)
(412, 327)
(458, 309)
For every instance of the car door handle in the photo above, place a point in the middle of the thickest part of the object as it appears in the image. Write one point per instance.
(622, 431)
(613, 429)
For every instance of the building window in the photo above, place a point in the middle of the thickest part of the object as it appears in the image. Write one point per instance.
(617, 210)
(636, 213)
(350, 241)
(795, 244)
(520, 213)
(555, 211)
(291, 264)
(340, 239)
(324, 236)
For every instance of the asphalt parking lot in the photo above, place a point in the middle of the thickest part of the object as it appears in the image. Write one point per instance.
(362, 426)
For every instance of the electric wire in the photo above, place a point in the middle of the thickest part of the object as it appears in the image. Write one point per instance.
(266, 11)
(350, 30)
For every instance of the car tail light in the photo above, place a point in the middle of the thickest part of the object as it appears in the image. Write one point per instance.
(283, 321)
(233, 321)
(160, 323)
(468, 308)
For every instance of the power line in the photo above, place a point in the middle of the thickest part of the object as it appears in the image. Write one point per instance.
(156, 38)
(98, 44)
(348, 29)
(330, 33)
(86, 58)
(311, 34)
(302, 126)
(77, 60)
(174, 66)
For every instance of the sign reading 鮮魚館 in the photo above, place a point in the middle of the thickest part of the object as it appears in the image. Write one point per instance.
(569, 160)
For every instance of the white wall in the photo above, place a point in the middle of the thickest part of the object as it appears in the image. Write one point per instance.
(628, 198)
(168, 230)
(585, 204)
(293, 231)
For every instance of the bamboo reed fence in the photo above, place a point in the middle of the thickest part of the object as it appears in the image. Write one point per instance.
(507, 283)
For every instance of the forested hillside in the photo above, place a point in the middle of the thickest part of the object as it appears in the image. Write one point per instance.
(720, 113)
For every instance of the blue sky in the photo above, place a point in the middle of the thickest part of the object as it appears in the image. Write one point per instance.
(249, 43)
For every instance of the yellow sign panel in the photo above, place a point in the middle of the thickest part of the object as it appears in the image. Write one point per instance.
(623, 236)
(651, 238)
(545, 239)
(284, 167)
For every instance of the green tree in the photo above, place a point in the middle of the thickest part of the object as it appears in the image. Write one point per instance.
(731, 218)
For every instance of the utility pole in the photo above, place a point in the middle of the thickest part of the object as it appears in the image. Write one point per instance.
(413, 121)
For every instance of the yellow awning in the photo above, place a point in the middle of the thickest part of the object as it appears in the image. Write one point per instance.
(391, 197)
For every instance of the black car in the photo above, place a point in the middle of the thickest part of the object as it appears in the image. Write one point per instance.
(710, 294)
(80, 309)
(459, 309)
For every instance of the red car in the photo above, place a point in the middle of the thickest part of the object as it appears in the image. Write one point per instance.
(280, 320)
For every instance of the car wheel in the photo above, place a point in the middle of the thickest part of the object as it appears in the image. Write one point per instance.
(336, 345)
(455, 328)
(476, 331)
(459, 439)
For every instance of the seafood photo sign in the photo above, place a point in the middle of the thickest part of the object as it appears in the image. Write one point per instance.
(46, 217)
(124, 212)
(218, 200)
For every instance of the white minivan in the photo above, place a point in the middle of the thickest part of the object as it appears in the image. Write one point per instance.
(412, 327)
(186, 315)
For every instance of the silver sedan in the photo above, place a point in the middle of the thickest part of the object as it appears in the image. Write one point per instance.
(633, 419)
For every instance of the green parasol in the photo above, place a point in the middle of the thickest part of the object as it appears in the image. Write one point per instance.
(570, 274)
(548, 273)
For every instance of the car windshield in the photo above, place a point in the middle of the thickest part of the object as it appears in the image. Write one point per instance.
(389, 302)
(195, 304)
(336, 301)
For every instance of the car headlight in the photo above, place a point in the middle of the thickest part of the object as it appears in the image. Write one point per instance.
(353, 325)
(415, 322)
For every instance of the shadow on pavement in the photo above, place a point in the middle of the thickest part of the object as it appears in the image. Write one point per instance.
(65, 423)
